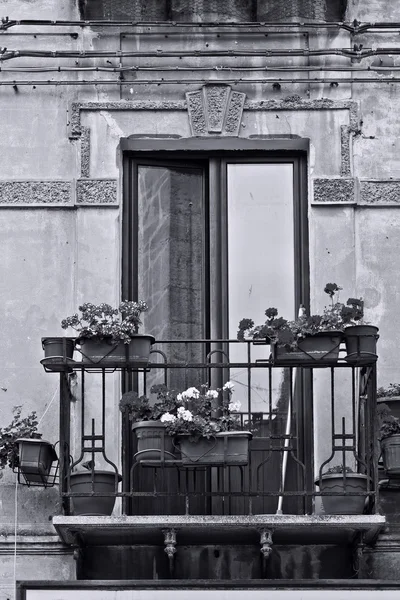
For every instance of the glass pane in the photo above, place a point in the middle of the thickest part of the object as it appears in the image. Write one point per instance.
(260, 262)
(170, 254)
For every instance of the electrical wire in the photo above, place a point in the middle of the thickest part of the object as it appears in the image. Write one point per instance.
(242, 80)
(355, 27)
(357, 53)
(222, 68)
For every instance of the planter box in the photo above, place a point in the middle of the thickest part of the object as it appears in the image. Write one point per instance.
(226, 448)
(153, 443)
(98, 352)
(57, 350)
(105, 482)
(391, 455)
(360, 343)
(36, 457)
(343, 505)
(322, 347)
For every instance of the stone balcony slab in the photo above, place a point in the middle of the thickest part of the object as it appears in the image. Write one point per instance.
(285, 529)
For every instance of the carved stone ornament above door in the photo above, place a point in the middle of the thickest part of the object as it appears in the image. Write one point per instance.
(215, 110)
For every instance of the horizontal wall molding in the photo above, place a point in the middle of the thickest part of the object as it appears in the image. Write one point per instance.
(364, 193)
(17, 193)
(335, 190)
(380, 191)
(96, 191)
(216, 109)
(58, 194)
(289, 103)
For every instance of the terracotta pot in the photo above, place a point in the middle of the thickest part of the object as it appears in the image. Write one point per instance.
(105, 482)
(360, 343)
(346, 504)
(391, 455)
(152, 439)
(57, 350)
(226, 448)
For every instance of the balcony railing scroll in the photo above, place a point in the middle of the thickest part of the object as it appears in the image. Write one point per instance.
(304, 417)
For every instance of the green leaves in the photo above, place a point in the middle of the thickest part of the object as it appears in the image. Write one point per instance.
(104, 321)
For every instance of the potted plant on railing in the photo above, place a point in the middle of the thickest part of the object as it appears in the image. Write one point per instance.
(108, 335)
(23, 450)
(206, 427)
(316, 337)
(153, 442)
(343, 480)
(360, 337)
(101, 484)
(57, 350)
(389, 434)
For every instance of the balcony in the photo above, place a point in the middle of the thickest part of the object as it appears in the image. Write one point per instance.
(304, 417)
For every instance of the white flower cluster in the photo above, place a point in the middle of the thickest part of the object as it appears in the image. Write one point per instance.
(190, 393)
(185, 415)
(167, 418)
(228, 386)
(234, 406)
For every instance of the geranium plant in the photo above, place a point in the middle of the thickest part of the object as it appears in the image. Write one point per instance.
(140, 408)
(388, 424)
(391, 391)
(338, 469)
(203, 412)
(20, 427)
(283, 332)
(105, 322)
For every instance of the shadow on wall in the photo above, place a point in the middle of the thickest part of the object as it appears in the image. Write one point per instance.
(213, 10)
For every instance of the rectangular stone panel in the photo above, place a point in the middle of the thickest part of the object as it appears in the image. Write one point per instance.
(96, 191)
(334, 190)
(16, 193)
(380, 192)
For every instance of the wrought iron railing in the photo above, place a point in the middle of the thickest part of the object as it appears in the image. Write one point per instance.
(305, 417)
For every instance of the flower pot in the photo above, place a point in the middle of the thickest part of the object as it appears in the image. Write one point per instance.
(99, 482)
(346, 504)
(226, 448)
(322, 347)
(57, 350)
(360, 343)
(35, 459)
(152, 439)
(103, 352)
(391, 455)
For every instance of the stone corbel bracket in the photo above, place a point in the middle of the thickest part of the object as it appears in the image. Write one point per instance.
(266, 543)
(170, 547)
(215, 109)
